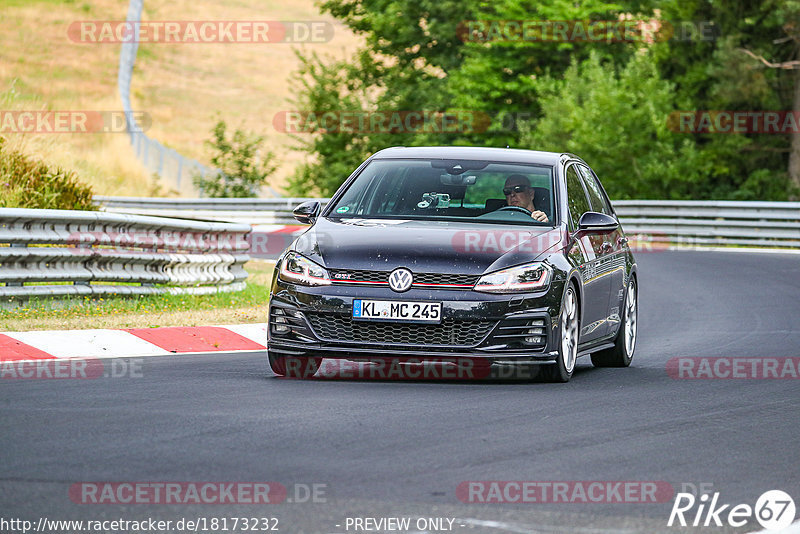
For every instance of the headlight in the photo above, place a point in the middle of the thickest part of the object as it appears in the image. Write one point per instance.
(518, 279)
(300, 270)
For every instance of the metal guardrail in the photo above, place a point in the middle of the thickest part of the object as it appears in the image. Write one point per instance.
(681, 223)
(713, 222)
(238, 210)
(65, 253)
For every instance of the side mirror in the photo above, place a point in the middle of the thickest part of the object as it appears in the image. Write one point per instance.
(596, 223)
(307, 212)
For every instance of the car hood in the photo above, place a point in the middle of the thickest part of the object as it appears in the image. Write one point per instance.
(424, 246)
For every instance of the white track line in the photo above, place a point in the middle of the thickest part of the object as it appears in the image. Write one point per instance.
(255, 332)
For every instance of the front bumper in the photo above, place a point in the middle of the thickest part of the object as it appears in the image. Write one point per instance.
(317, 322)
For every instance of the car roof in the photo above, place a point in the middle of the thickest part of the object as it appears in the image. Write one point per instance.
(506, 155)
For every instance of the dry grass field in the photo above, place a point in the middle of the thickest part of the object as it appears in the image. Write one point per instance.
(184, 87)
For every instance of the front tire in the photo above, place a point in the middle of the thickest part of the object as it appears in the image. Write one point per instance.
(292, 366)
(621, 354)
(564, 366)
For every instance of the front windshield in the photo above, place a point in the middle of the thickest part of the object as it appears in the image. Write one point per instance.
(476, 191)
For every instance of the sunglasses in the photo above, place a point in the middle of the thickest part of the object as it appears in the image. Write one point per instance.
(515, 189)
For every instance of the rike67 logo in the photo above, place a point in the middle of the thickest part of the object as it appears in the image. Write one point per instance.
(774, 510)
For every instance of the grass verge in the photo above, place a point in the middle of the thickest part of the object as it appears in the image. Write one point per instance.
(149, 311)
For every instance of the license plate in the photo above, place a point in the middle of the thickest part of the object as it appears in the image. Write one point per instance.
(397, 310)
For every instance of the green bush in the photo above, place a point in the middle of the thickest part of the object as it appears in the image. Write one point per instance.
(240, 172)
(26, 183)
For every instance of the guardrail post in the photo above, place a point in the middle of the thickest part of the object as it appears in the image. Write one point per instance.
(16, 245)
(84, 246)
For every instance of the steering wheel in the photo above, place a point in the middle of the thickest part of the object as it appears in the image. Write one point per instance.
(526, 211)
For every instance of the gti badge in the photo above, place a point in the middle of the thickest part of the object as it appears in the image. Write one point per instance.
(400, 279)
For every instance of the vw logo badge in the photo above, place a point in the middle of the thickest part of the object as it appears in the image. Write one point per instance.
(400, 279)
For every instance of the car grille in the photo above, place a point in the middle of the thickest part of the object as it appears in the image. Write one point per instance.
(430, 278)
(343, 276)
(449, 332)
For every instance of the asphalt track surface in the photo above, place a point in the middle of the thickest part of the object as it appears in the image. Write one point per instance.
(401, 448)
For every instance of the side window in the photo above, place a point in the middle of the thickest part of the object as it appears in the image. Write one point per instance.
(576, 196)
(599, 203)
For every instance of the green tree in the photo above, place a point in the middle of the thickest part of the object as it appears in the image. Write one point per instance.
(239, 168)
(616, 119)
(713, 61)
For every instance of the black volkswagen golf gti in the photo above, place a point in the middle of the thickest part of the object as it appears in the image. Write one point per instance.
(440, 254)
